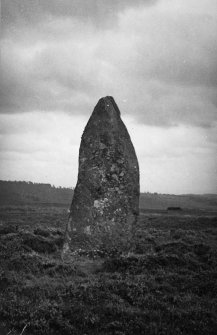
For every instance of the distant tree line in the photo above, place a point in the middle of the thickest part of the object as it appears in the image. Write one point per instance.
(22, 192)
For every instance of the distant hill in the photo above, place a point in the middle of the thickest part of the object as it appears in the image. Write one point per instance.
(28, 193)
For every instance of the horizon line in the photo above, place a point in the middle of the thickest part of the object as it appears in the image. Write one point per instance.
(73, 187)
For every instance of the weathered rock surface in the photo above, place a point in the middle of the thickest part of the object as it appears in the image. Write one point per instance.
(105, 204)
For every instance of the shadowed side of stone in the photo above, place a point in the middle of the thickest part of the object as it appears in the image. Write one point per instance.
(105, 204)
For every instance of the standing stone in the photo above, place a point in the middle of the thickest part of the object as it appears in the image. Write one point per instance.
(105, 204)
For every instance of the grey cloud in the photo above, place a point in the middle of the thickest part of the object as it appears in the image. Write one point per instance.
(157, 69)
(179, 49)
(99, 12)
(42, 84)
(178, 107)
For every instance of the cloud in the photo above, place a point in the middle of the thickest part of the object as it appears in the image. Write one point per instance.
(40, 147)
(44, 148)
(173, 47)
(159, 62)
(100, 13)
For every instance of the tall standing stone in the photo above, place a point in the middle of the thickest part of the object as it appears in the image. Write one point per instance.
(105, 204)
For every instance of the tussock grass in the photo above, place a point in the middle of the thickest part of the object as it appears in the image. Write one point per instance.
(167, 284)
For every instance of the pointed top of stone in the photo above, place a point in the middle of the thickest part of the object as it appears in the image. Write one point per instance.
(108, 106)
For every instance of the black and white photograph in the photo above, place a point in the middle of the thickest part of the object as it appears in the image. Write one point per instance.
(108, 167)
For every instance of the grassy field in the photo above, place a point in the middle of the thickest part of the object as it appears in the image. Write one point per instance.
(167, 284)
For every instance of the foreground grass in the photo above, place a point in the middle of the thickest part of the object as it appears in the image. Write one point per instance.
(166, 285)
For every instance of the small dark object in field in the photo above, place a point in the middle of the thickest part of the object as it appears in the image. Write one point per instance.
(174, 208)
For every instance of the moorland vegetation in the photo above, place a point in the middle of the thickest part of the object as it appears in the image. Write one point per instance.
(167, 284)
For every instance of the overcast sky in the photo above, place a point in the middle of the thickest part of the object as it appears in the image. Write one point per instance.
(157, 58)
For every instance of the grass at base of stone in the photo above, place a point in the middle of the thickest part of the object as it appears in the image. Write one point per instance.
(166, 285)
